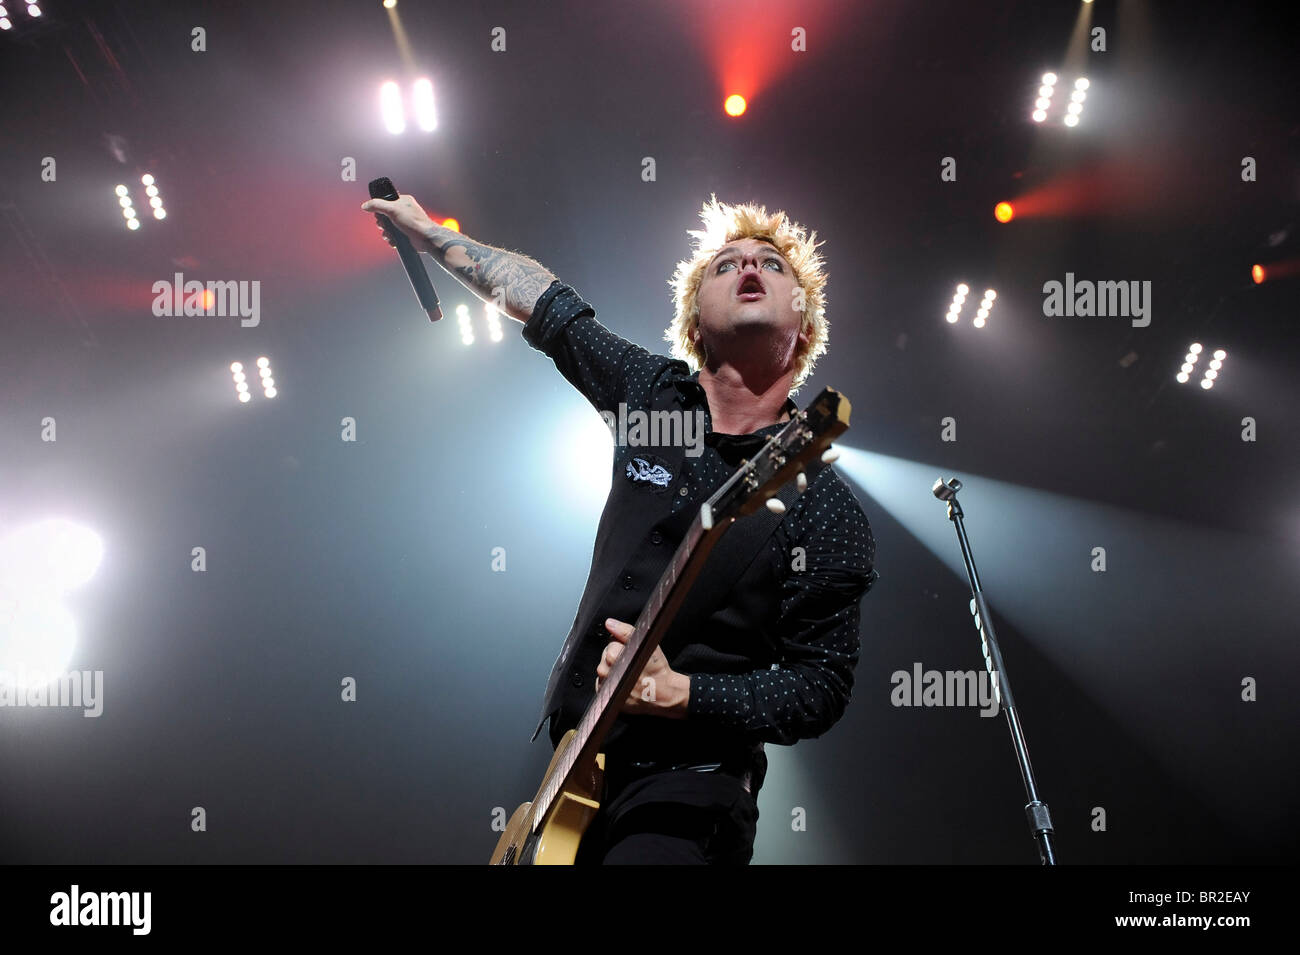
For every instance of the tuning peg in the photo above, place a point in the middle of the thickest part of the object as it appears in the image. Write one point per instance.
(801, 482)
(830, 455)
(775, 506)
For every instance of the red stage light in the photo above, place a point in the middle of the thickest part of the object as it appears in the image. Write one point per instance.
(735, 104)
(453, 224)
(1003, 212)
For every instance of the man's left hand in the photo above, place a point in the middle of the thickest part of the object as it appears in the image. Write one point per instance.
(660, 690)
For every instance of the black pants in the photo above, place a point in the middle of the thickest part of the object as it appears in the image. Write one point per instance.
(679, 817)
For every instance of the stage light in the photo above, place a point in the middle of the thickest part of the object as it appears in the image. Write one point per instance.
(128, 213)
(735, 104)
(1049, 79)
(422, 95)
(1257, 273)
(493, 322)
(122, 191)
(462, 319)
(50, 557)
(133, 224)
(390, 106)
(979, 322)
(963, 289)
(5, 24)
(1081, 83)
(151, 191)
(242, 387)
(1071, 120)
(33, 10)
(958, 298)
(263, 362)
(245, 396)
(452, 224)
(271, 392)
(1038, 115)
(147, 179)
(160, 214)
(264, 371)
(236, 366)
(1004, 212)
(240, 376)
(389, 4)
(268, 383)
(1189, 365)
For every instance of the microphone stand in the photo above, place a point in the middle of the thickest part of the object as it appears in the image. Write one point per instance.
(1040, 820)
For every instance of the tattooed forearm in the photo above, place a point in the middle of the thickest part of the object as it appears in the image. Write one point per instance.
(512, 281)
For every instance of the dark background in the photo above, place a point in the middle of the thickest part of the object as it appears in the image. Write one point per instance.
(373, 559)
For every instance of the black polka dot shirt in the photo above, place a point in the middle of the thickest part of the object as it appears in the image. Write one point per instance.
(777, 666)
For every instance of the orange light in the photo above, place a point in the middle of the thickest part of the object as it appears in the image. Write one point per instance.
(1003, 212)
(1257, 273)
(209, 299)
(453, 224)
(735, 104)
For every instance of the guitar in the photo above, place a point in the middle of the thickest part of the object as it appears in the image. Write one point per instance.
(548, 829)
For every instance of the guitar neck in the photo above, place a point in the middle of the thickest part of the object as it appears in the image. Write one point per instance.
(653, 623)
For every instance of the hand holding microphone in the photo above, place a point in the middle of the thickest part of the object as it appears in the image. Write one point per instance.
(404, 224)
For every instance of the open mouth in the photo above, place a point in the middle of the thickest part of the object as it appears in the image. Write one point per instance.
(751, 288)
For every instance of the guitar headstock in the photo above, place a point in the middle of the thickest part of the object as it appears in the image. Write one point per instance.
(782, 459)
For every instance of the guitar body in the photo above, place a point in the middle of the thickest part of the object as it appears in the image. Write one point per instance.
(556, 841)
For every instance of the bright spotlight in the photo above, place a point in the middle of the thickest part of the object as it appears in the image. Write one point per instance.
(37, 637)
(1071, 119)
(390, 107)
(1257, 274)
(1220, 354)
(1004, 212)
(49, 557)
(734, 105)
(422, 95)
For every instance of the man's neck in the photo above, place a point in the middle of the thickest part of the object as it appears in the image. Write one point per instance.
(741, 404)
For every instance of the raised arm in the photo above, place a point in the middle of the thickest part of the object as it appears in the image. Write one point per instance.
(511, 281)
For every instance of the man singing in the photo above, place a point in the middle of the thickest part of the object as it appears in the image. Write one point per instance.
(772, 661)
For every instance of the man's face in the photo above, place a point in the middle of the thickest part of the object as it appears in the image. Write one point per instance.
(749, 287)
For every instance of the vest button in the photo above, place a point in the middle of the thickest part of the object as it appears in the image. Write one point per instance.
(577, 679)
(627, 581)
(683, 492)
(656, 538)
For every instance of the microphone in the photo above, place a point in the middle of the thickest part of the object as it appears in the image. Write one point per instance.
(382, 188)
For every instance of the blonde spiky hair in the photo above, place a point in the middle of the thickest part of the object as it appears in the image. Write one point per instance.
(725, 223)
